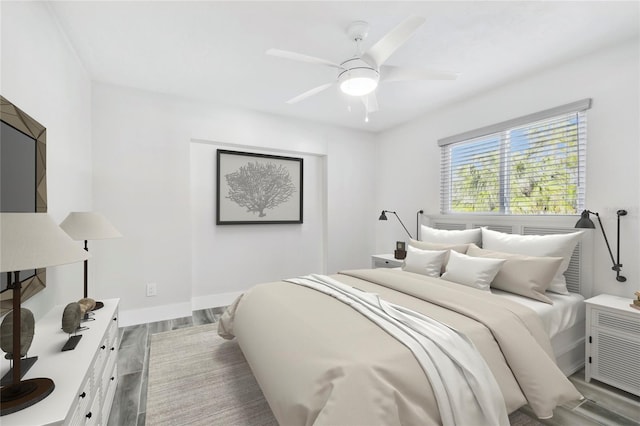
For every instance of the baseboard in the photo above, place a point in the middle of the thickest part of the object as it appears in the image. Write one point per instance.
(157, 313)
(177, 310)
(214, 300)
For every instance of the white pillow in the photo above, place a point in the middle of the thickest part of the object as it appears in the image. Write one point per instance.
(422, 245)
(446, 236)
(425, 262)
(555, 245)
(527, 276)
(474, 272)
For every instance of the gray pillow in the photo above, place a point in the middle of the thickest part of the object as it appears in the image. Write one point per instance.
(528, 276)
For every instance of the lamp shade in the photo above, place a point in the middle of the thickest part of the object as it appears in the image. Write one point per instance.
(585, 221)
(88, 226)
(33, 240)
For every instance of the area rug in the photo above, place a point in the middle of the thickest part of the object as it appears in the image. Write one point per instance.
(198, 378)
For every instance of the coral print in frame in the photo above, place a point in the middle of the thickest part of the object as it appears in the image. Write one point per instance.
(258, 188)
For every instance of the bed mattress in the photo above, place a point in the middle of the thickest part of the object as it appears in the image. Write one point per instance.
(567, 310)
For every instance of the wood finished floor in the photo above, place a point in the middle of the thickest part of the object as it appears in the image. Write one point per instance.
(604, 405)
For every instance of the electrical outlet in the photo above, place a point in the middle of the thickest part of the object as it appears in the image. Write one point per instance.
(152, 289)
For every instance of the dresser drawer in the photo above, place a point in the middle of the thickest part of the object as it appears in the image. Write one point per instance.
(83, 402)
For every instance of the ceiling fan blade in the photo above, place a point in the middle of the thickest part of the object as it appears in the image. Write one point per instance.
(370, 102)
(380, 52)
(301, 58)
(309, 93)
(391, 73)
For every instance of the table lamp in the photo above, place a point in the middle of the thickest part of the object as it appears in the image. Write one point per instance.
(29, 241)
(88, 226)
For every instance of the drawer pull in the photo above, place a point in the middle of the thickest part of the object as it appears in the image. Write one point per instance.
(89, 415)
(83, 394)
(115, 318)
(113, 348)
(112, 378)
(103, 347)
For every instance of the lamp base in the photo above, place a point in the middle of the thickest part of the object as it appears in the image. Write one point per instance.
(25, 365)
(19, 396)
(99, 305)
(71, 343)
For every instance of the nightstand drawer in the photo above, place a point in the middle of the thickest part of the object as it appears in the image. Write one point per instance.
(616, 322)
(385, 261)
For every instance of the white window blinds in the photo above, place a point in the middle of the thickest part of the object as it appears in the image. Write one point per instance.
(530, 165)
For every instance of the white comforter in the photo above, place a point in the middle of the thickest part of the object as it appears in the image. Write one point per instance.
(464, 388)
(320, 362)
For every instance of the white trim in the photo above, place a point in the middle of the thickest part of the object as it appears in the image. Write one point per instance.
(577, 106)
(157, 313)
(214, 300)
(259, 148)
(176, 310)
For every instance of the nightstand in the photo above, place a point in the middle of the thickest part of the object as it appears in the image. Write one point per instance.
(613, 342)
(385, 261)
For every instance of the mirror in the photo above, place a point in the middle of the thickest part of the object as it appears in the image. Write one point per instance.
(23, 183)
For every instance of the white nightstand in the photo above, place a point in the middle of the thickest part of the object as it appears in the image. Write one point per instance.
(385, 261)
(613, 342)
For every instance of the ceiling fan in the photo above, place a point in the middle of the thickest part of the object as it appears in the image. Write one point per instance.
(360, 74)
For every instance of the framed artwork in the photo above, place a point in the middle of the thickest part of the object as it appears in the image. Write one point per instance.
(258, 188)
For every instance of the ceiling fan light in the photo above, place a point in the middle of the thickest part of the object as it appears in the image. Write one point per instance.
(358, 81)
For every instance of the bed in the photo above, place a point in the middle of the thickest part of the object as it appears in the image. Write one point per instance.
(320, 357)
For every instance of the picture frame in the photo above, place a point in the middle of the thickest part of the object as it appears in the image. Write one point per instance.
(19, 127)
(254, 188)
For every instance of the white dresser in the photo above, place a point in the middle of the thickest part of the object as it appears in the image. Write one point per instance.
(85, 378)
(613, 342)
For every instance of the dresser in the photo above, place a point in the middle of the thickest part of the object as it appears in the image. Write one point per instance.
(85, 378)
(613, 342)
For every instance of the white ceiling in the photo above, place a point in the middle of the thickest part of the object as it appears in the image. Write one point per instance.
(214, 50)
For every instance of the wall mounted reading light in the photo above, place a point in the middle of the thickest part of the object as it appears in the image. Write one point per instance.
(586, 222)
(383, 216)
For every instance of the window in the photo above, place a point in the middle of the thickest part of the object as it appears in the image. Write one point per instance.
(529, 165)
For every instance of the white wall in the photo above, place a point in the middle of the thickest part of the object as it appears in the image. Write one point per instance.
(42, 76)
(153, 161)
(609, 77)
(139, 150)
(229, 258)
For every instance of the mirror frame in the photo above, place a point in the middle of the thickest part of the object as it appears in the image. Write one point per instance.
(21, 121)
